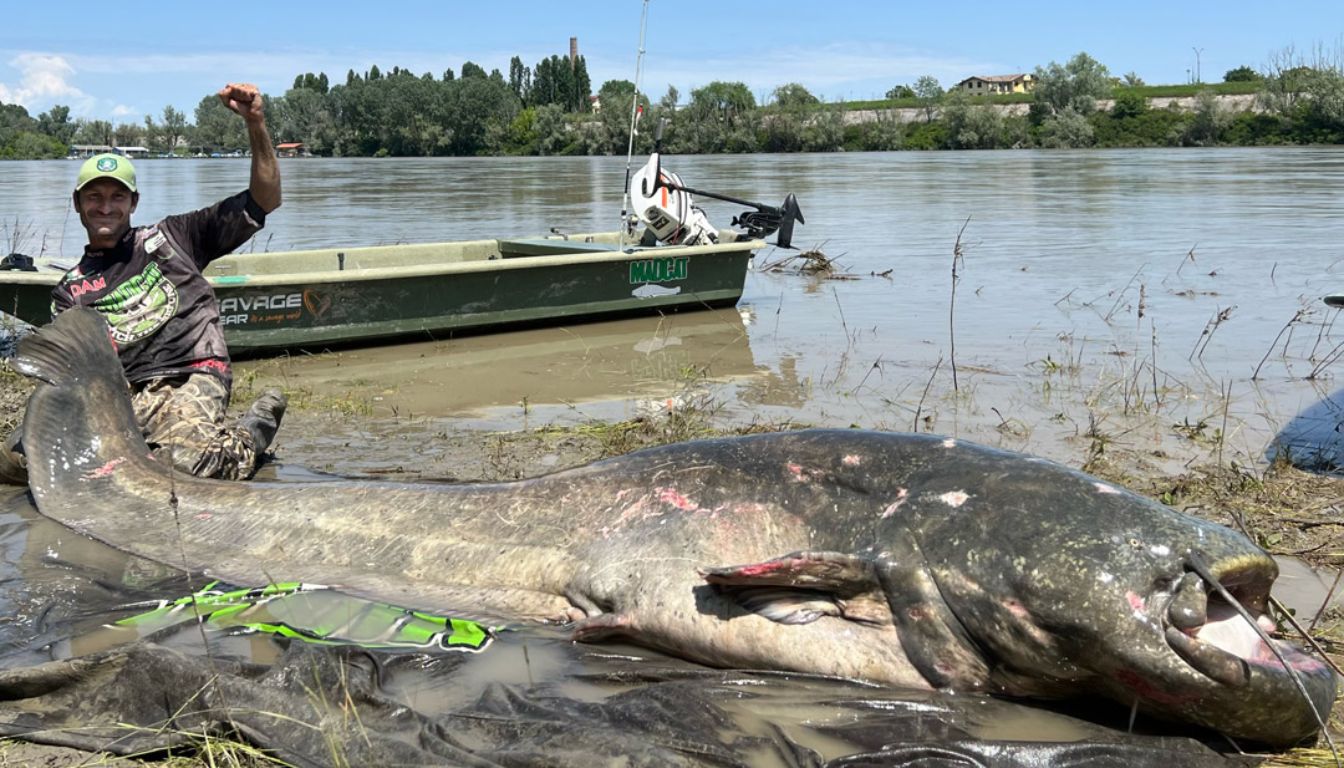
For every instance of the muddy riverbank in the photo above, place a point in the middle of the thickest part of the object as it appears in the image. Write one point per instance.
(1295, 514)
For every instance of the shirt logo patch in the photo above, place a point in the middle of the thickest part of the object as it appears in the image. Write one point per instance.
(82, 287)
(154, 242)
(140, 306)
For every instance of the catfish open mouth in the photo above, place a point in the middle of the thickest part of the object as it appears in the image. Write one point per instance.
(1210, 623)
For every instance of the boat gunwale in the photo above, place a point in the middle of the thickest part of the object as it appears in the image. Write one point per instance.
(362, 274)
(365, 274)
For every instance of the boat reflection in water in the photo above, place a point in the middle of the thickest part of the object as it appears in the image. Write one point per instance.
(640, 359)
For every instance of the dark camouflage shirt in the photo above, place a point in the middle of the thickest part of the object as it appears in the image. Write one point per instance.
(162, 313)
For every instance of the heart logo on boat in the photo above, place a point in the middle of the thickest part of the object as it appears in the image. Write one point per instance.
(316, 303)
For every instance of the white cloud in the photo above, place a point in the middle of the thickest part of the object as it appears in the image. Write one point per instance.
(43, 78)
(48, 78)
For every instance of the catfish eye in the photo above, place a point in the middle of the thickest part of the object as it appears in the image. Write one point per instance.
(1135, 543)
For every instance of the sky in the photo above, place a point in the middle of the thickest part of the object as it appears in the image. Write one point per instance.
(122, 61)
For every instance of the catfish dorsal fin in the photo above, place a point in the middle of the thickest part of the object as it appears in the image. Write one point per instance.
(803, 586)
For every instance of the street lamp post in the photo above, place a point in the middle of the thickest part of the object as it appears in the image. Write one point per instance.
(1197, 51)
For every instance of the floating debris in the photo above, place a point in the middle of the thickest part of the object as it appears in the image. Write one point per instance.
(814, 263)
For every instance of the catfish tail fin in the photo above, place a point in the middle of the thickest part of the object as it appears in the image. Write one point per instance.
(79, 424)
(60, 352)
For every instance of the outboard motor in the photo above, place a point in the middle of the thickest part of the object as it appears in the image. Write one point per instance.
(767, 219)
(664, 204)
(666, 207)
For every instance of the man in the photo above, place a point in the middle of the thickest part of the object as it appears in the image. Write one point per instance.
(162, 314)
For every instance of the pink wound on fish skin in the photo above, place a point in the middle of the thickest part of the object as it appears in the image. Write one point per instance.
(852, 460)
(1136, 602)
(671, 496)
(901, 496)
(107, 469)
(760, 569)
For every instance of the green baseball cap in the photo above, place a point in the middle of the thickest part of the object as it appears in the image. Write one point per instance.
(106, 166)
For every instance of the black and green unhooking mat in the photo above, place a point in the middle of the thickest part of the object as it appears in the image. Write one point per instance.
(326, 702)
(313, 677)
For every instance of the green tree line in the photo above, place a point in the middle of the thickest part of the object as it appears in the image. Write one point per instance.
(546, 109)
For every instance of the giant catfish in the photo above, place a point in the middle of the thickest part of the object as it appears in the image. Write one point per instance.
(909, 560)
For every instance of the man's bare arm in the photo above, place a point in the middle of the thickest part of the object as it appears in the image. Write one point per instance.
(245, 99)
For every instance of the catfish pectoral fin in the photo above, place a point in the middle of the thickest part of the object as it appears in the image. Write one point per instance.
(603, 626)
(838, 572)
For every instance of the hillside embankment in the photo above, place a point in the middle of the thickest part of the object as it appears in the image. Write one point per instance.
(1236, 102)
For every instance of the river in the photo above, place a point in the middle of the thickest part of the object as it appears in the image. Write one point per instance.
(1095, 287)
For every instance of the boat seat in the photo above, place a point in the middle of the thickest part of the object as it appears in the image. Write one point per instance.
(545, 246)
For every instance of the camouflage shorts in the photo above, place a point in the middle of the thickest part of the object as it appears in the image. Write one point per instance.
(182, 418)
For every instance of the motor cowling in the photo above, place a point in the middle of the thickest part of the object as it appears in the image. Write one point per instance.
(670, 213)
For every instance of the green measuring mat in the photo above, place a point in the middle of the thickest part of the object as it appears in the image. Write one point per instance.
(314, 614)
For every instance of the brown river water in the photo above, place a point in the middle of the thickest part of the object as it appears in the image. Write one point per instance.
(1115, 292)
(1094, 287)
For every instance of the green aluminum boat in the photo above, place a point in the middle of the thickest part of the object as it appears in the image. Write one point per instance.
(333, 297)
(330, 297)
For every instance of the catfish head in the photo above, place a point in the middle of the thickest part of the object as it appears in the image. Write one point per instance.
(1066, 584)
(1040, 581)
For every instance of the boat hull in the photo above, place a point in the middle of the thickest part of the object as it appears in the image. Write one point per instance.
(345, 297)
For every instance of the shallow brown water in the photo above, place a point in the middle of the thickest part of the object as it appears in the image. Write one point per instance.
(582, 370)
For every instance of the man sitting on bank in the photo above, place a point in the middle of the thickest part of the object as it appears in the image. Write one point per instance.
(162, 314)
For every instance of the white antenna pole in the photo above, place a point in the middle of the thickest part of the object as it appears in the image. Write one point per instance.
(634, 121)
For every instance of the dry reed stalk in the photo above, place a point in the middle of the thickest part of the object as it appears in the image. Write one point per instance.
(957, 261)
